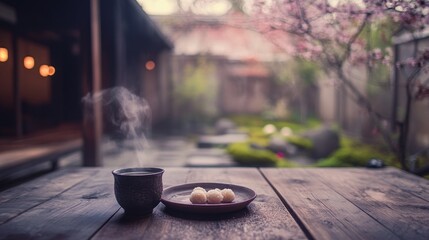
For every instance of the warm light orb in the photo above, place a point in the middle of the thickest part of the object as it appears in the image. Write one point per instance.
(29, 62)
(150, 65)
(51, 70)
(285, 131)
(44, 70)
(4, 54)
(269, 129)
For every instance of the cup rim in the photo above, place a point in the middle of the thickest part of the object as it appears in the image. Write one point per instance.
(152, 171)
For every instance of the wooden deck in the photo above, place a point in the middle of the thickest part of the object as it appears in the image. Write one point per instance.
(79, 203)
(49, 145)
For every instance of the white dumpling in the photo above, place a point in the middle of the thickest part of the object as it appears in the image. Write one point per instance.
(228, 195)
(214, 196)
(198, 197)
(200, 188)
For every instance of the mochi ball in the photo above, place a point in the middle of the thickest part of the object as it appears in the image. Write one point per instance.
(228, 195)
(200, 188)
(198, 196)
(214, 196)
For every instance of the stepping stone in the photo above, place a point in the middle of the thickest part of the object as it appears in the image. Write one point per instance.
(209, 141)
(209, 161)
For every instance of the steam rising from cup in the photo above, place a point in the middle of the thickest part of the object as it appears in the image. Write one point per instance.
(125, 116)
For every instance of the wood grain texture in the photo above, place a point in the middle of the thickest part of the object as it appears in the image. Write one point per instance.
(265, 218)
(412, 184)
(330, 204)
(26, 196)
(324, 212)
(76, 213)
(379, 196)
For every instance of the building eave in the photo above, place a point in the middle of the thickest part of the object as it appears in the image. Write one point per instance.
(165, 42)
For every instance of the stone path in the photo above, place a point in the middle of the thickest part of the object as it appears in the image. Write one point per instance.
(209, 158)
(161, 152)
(166, 152)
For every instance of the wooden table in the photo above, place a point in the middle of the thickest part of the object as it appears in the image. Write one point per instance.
(291, 204)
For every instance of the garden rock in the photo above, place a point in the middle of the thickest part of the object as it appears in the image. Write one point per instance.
(278, 144)
(325, 141)
(223, 126)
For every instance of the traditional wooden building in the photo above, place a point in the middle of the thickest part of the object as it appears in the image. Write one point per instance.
(52, 53)
(235, 65)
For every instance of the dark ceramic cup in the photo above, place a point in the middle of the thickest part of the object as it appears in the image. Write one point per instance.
(138, 190)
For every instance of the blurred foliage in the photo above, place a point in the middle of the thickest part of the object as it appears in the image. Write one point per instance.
(245, 155)
(380, 79)
(196, 95)
(355, 154)
(379, 35)
(291, 83)
(286, 164)
(351, 153)
(307, 72)
(346, 142)
(301, 142)
(297, 73)
(262, 141)
(420, 160)
(254, 124)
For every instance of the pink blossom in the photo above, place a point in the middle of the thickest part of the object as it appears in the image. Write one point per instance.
(377, 54)
(319, 22)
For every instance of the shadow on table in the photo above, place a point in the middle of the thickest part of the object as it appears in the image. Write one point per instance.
(125, 219)
(206, 216)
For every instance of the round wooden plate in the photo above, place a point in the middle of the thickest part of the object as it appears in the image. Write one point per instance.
(177, 198)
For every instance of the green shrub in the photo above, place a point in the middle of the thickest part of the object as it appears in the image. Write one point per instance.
(301, 142)
(262, 141)
(252, 121)
(248, 120)
(286, 164)
(347, 142)
(333, 162)
(243, 154)
(355, 156)
(255, 132)
(313, 123)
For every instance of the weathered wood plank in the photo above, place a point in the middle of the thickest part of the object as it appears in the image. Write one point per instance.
(265, 218)
(325, 213)
(415, 185)
(407, 182)
(373, 192)
(21, 198)
(74, 214)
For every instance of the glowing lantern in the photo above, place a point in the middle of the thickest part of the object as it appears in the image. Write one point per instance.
(269, 129)
(29, 62)
(44, 70)
(4, 54)
(285, 131)
(51, 71)
(150, 65)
